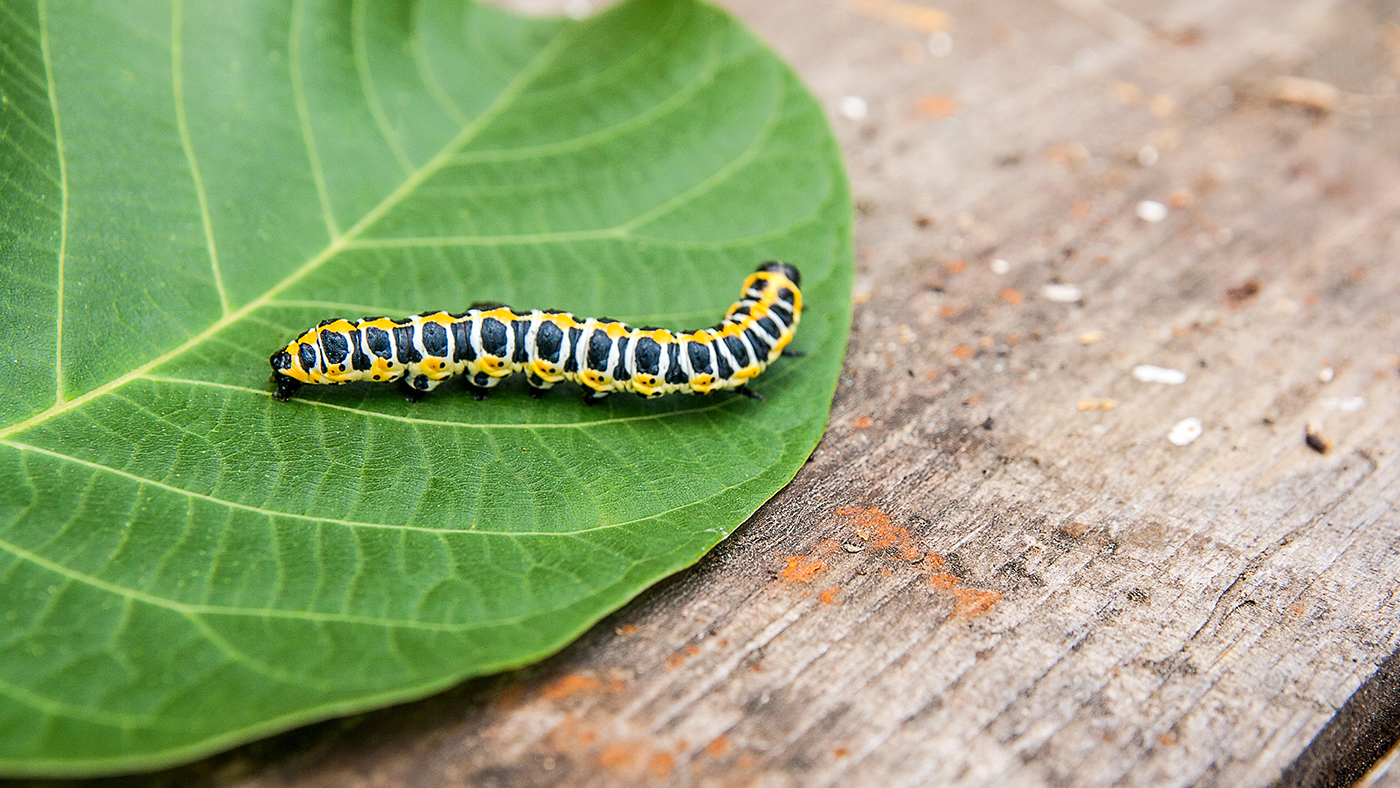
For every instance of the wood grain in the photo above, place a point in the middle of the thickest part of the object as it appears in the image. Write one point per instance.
(1385, 773)
(975, 581)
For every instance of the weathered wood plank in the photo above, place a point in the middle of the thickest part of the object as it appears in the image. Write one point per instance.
(1358, 735)
(1042, 594)
(1385, 773)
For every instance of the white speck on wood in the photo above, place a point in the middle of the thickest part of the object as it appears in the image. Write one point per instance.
(1065, 294)
(1148, 373)
(1344, 404)
(1186, 431)
(1151, 211)
(852, 107)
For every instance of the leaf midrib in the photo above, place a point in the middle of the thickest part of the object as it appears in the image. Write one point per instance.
(338, 243)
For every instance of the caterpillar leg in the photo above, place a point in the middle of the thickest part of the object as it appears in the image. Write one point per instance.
(411, 394)
(591, 397)
(790, 353)
(480, 385)
(415, 387)
(750, 393)
(538, 386)
(286, 387)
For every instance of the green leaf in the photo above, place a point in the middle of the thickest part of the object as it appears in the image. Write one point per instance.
(185, 563)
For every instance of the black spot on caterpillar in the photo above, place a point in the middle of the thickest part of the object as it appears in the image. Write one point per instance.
(489, 342)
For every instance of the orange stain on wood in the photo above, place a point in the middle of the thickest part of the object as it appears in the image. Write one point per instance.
(974, 601)
(905, 15)
(862, 422)
(800, 568)
(883, 533)
(661, 765)
(1011, 296)
(675, 660)
(692, 650)
(840, 751)
(571, 684)
(938, 105)
(718, 746)
(828, 546)
(571, 737)
(511, 697)
(964, 352)
(956, 267)
(1181, 199)
(874, 527)
(618, 756)
(627, 629)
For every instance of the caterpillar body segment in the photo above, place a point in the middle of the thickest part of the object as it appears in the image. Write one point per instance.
(490, 342)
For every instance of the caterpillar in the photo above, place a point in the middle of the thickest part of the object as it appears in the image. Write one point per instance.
(489, 342)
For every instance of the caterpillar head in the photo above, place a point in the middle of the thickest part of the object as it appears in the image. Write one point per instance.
(294, 365)
(786, 269)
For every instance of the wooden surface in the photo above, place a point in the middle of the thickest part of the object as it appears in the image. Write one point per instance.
(1385, 773)
(975, 581)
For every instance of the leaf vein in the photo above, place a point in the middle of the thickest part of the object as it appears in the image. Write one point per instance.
(308, 135)
(177, 71)
(367, 87)
(47, 53)
(137, 478)
(241, 657)
(719, 176)
(58, 708)
(425, 72)
(677, 99)
(314, 616)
